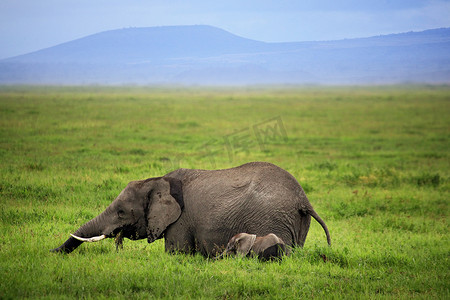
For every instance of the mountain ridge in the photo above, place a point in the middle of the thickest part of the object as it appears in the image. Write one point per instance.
(155, 39)
(201, 54)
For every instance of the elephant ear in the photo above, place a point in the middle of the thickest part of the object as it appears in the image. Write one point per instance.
(165, 206)
(244, 244)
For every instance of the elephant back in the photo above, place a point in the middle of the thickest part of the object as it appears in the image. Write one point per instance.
(258, 198)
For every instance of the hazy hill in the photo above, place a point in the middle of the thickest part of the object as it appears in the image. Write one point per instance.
(136, 45)
(208, 55)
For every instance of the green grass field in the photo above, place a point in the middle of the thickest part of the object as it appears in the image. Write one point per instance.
(374, 162)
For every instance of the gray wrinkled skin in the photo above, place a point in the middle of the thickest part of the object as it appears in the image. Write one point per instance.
(200, 210)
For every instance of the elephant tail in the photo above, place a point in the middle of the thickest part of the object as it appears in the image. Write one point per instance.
(313, 214)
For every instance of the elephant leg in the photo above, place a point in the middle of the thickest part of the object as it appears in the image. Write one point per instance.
(178, 239)
(172, 246)
(305, 221)
(211, 242)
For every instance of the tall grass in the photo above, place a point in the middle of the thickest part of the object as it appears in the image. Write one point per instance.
(374, 162)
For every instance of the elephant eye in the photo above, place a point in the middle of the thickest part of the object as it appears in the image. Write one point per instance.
(121, 213)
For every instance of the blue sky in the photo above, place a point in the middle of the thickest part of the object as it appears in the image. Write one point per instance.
(29, 25)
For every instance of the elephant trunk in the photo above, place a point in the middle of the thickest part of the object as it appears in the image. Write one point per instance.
(89, 232)
(68, 246)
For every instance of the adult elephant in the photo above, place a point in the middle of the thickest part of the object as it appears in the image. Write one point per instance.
(200, 210)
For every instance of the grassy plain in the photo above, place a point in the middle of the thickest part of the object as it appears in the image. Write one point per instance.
(374, 162)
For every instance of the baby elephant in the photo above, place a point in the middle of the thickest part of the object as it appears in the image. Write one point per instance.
(264, 247)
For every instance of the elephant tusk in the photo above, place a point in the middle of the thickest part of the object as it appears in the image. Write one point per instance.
(92, 239)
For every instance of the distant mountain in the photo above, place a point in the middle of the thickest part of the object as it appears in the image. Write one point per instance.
(209, 55)
(143, 45)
